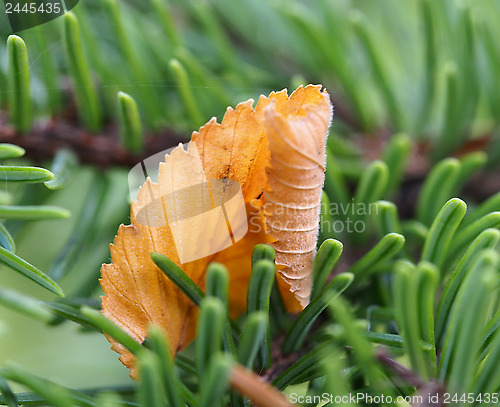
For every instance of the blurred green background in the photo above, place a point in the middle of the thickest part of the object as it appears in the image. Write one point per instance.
(63, 353)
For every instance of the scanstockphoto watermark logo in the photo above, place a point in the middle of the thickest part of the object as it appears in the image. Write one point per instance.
(20, 15)
(336, 218)
(346, 217)
(205, 216)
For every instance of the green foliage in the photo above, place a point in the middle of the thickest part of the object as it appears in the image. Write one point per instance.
(88, 104)
(19, 84)
(408, 303)
(130, 123)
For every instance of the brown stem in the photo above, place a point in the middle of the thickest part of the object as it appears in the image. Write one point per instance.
(430, 394)
(252, 386)
(406, 374)
(102, 150)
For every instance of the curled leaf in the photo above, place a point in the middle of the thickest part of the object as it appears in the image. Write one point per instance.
(296, 139)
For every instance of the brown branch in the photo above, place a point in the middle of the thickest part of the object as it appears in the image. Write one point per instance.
(430, 393)
(406, 374)
(281, 361)
(102, 150)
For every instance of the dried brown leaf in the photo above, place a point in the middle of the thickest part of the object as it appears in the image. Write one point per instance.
(276, 155)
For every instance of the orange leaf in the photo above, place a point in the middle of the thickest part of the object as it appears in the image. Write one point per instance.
(268, 162)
